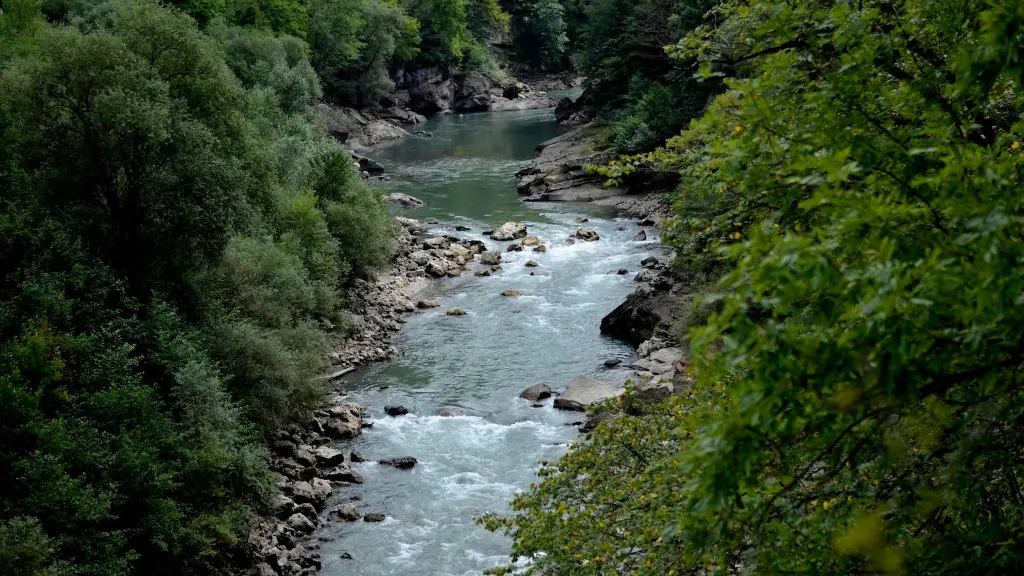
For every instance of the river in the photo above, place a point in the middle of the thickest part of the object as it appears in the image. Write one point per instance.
(477, 365)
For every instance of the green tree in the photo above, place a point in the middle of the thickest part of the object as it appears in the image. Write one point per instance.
(857, 401)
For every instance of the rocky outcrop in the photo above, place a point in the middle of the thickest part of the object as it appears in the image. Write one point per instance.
(583, 393)
(558, 175)
(636, 319)
(356, 129)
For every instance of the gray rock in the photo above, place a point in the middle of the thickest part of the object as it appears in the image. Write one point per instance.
(346, 512)
(649, 262)
(307, 510)
(321, 492)
(509, 231)
(403, 200)
(356, 457)
(515, 248)
(369, 165)
(396, 410)
(343, 421)
(264, 569)
(640, 237)
(583, 393)
(403, 463)
(343, 474)
(645, 275)
(536, 392)
(425, 304)
(302, 493)
(587, 235)
(612, 362)
(492, 258)
(374, 517)
(636, 319)
(300, 523)
(327, 456)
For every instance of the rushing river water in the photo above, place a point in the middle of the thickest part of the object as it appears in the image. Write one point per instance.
(477, 365)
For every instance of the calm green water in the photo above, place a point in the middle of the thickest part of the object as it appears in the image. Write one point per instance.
(476, 365)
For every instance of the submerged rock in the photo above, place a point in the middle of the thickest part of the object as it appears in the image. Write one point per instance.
(509, 231)
(374, 517)
(583, 393)
(404, 200)
(642, 236)
(622, 272)
(542, 248)
(510, 293)
(403, 463)
(536, 392)
(612, 362)
(456, 312)
(396, 410)
(531, 264)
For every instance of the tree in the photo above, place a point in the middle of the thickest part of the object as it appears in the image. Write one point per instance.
(857, 393)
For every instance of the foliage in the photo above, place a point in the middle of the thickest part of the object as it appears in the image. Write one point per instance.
(857, 403)
(540, 33)
(170, 245)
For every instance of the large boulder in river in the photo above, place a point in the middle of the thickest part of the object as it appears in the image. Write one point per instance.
(403, 200)
(509, 231)
(472, 92)
(492, 258)
(587, 235)
(403, 463)
(583, 393)
(536, 392)
(636, 319)
(368, 164)
(395, 411)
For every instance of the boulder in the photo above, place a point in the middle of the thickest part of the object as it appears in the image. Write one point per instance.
(343, 421)
(463, 229)
(482, 273)
(531, 264)
(472, 92)
(456, 312)
(302, 493)
(300, 524)
(492, 258)
(661, 362)
(420, 257)
(645, 275)
(368, 164)
(636, 319)
(583, 393)
(564, 109)
(510, 293)
(356, 457)
(649, 262)
(321, 492)
(587, 235)
(374, 517)
(430, 90)
(425, 304)
(622, 272)
(327, 456)
(344, 474)
(396, 410)
(640, 237)
(542, 248)
(515, 248)
(509, 231)
(460, 253)
(612, 362)
(536, 392)
(531, 241)
(403, 463)
(283, 506)
(436, 268)
(346, 512)
(403, 200)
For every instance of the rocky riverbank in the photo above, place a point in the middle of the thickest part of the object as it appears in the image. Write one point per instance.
(309, 460)
(559, 174)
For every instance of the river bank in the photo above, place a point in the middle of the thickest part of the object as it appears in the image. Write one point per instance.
(474, 440)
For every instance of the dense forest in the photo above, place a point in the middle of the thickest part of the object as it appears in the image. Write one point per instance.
(849, 205)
